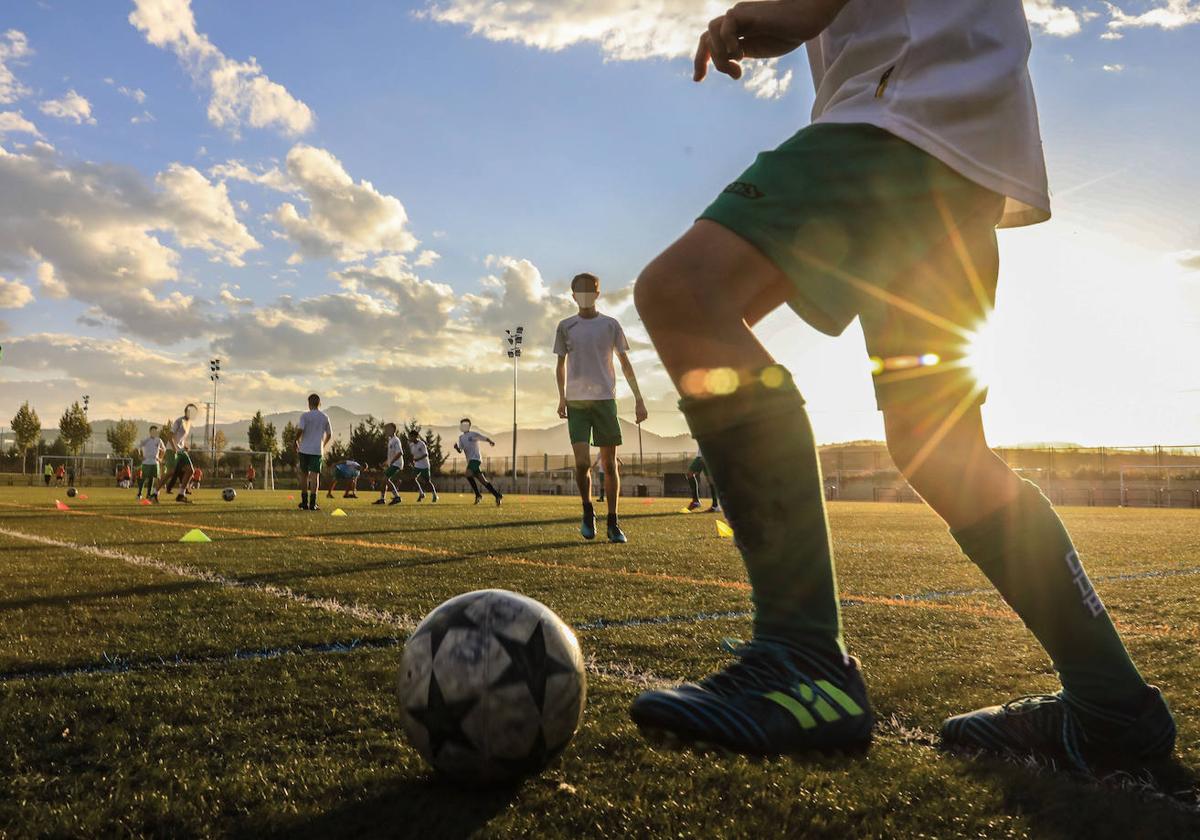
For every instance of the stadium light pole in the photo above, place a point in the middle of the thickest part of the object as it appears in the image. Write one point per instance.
(514, 339)
(214, 373)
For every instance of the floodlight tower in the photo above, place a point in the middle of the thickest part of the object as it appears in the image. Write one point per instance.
(86, 399)
(514, 339)
(214, 373)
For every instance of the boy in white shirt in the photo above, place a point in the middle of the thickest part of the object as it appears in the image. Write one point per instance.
(392, 466)
(152, 449)
(468, 445)
(315, 434)
(178, 462)
(925, 139)
(587, 397)
(418, 452)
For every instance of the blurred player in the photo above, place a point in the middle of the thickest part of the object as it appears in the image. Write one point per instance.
(392, 466)
(152, 449)
(418, 452)
(250, 476)
(347, 471)
(468, 445)
(696, 469)
(178, 462)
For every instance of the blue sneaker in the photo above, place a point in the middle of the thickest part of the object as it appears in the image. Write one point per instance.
(588, 528)
(770, 701)
(615, 534)
(1061, 729)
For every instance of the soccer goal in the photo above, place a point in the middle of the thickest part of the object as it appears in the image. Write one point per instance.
(87, 470)
(1160, 486)
(241, 469)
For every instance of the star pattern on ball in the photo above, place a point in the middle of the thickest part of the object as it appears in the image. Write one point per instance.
(441, 719)
(446, 619)
(530, 664)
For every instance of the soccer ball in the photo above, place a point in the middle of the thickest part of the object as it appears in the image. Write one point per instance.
(71, 491)
(492, 687)
(229, 494)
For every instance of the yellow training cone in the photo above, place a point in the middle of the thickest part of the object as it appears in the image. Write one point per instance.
(685, 510)
(339, 512)
(195, 535)
(723, 529)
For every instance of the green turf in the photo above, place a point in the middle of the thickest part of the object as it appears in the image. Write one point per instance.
(301, 739)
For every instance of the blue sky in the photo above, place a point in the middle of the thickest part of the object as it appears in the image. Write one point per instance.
(450, 167)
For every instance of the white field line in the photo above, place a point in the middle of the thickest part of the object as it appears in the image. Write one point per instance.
(331, 605)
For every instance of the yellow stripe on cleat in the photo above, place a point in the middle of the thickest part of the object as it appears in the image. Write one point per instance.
(840, 697)
(802, 715)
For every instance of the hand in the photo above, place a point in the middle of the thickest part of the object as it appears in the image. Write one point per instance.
(639, 411)
(562, 409)
(762, 29)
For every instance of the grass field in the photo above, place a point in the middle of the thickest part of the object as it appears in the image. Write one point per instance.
(246, 686)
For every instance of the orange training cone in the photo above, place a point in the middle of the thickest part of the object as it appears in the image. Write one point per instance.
(59, 505)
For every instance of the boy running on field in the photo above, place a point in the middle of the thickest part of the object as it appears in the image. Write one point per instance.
(468, 445)
(696, 469)
(418, 452)
(925, 139)
(587, 397)
(315, 434)
(152, 449)
(393, 465)
(178, 462)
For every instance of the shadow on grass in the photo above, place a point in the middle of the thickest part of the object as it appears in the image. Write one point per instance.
(70, 599)
(429, 807)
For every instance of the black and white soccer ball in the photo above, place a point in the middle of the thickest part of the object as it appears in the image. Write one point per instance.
(492, 687)
(229, 494)
(71, 491)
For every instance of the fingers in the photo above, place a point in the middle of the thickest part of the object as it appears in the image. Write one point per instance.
(700, 63)
(720, 45)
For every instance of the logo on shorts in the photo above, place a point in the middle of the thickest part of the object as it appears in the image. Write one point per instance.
(1087, 593)
(745, 189)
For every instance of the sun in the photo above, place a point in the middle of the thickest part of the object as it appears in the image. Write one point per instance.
(980, 355)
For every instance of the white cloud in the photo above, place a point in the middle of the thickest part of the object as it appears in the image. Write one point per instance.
(1052, 18)
(14, 294)
(1111, 36)
(144, 117)
(346, 220)
(241, 93)
(426, 258)
(52, 287)
(136, 94)
(14, 47)
(1114, 68)
(1189, 259)
(270, 177)
(1172, 14)
(72, 106)
(12, 122)
(203, 215)
(764, 80)
(516, 294)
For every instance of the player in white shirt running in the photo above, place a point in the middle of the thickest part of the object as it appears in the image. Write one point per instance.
(178, 462)
(315, 434)
(418, 453)
(392, 466)
(587, 397)
(468, 445)
(152, 449)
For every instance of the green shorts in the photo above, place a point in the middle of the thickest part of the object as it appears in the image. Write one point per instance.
(309, 463)
(421, 472)
(149, 471)
(867, 225)
(697, 466)
(594, 422)
(176, 461)
(474, 467)
(391, 471)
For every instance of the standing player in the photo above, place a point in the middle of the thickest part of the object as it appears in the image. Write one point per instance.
(47, 473)
(152, 449)
(178, 462)
(393, 465)
(587, 397)
(250, 474)
(418, 453)
(347, 471)
(696, 469)
(197, 477)
(315, 433)
(468, 445)
(925, 140)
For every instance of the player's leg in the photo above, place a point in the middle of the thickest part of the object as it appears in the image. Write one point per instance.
(696, 301)
(474, 486)
(583, 475)
(429, 480)
(712, 489)
(694, 483)
(612, 488)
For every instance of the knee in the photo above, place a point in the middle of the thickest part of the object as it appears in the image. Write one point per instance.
(610, 463)
(583, 465)
(656, 291)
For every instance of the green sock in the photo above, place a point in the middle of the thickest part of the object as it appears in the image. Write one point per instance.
(759, 448)
(1026, 552)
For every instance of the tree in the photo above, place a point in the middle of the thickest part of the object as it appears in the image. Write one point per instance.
(74, 428)
(256, 432)
(270, 441)
(27, 429)
(291, 434)
(367, 444)
(59, 447)
(337, 451)
(436, 456)
(122, 437)
(220, 442)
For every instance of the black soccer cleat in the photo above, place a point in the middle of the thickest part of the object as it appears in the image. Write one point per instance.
(1052, 727)
(771, 701)
(587, 528)
(478, 498)
(395, 501)
(379, 501)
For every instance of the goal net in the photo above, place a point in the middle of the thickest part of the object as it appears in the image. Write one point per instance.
(1160, 486)
(239, 469)
(88, 470)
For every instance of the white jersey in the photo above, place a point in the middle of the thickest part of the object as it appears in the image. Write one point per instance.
(468, 442)
(419, 452)
(180, 430)
(952, 79)
(394, 452)
(589, 345)
(151, 448)
(314, 425)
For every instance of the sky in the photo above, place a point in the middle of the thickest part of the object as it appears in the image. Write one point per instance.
(360, 198)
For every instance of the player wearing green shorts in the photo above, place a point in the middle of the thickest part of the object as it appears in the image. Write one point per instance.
(696, 469)
(418, 453)
(152, 454)
(179, 463)
(468, 444)
(315, 434)
(392, 466)
(925, 139)
(587, 396)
